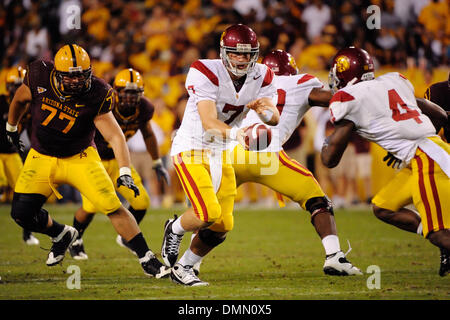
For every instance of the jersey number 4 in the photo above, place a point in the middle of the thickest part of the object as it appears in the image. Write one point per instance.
(394, 102)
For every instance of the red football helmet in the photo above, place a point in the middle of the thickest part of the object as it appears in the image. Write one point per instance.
(281, 63)
(350, 65)
(239, 39)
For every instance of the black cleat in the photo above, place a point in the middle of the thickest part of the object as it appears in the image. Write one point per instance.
(60, 245)
(445, 263)
(77, 250)
(171, 244)
(153, 267)
(29, 239)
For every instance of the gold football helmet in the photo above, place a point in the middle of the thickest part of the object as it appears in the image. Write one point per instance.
(129, 85)
(14, 78)
(73, 69)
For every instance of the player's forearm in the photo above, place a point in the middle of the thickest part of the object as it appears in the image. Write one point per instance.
(334, 146)
(331, 153)
(152, 146)
(437, 115)
(319, 97)
(19, 105)
(216, 127)
(120, 149)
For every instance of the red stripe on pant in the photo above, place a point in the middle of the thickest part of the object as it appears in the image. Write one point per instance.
(435, 194)
(185, 187)
(423, 193)
(194, 187)
(292, 165)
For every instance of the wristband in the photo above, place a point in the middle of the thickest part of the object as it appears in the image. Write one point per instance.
(157, 162)
(233, 133)
(10, 128)
(326, 142)
(268, 115)
(124, 171)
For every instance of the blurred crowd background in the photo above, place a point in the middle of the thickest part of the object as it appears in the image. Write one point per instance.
(162, 38)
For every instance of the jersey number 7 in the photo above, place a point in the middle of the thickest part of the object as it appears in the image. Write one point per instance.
(394, 102)
(237, 111)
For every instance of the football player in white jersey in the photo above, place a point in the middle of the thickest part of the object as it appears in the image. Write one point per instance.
(221, 92)
(384, 110)
(272, 167)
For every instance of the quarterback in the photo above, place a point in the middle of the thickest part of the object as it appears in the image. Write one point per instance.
(133, 112)
(67, 104)
(221, 93)
(296, 93)
(384, 110)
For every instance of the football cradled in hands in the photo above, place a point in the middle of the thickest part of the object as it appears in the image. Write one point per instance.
(257, 137)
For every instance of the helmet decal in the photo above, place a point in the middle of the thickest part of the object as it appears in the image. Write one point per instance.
(342, 63)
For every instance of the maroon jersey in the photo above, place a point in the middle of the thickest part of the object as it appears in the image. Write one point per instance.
(129, 125)
(62, 126)
(439, 93)
(5, 146)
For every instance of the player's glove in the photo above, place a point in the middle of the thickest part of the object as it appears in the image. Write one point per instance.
(161, 172)
(14, 139)
(392, 161)
(126, 180)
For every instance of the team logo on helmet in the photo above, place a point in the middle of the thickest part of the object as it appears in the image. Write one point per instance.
(292, 62)
(342, 63)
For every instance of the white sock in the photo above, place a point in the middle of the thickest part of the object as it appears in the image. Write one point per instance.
(177, 228)
(189, 258)
(420, 229)
(331, 244)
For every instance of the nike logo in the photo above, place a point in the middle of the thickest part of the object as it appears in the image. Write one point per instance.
(79, 105)
(35, 157)
(255, 78)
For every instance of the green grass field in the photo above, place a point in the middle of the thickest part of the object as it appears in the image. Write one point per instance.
(270, 255)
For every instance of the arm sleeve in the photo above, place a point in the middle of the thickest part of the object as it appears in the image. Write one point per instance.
(268, 89)
(342, 107)
(200, 87)
(304, 86)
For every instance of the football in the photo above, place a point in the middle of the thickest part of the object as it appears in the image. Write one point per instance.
(258, 137)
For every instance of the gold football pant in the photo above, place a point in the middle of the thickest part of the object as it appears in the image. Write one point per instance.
(10, 166)
(193, 170)
(42, 174)
(276, 171)
(425, 185)
(141, 202)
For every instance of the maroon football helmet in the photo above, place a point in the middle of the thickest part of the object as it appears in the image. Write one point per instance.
(350, 65)
(281, 63)
(239, 39)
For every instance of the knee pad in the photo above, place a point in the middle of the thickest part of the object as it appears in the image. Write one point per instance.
(27, 211)
(137, 214)
(211, 238)
(319, 205)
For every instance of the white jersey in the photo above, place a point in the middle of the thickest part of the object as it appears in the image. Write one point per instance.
(292, 102)
(210, 80)
(384, 111)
